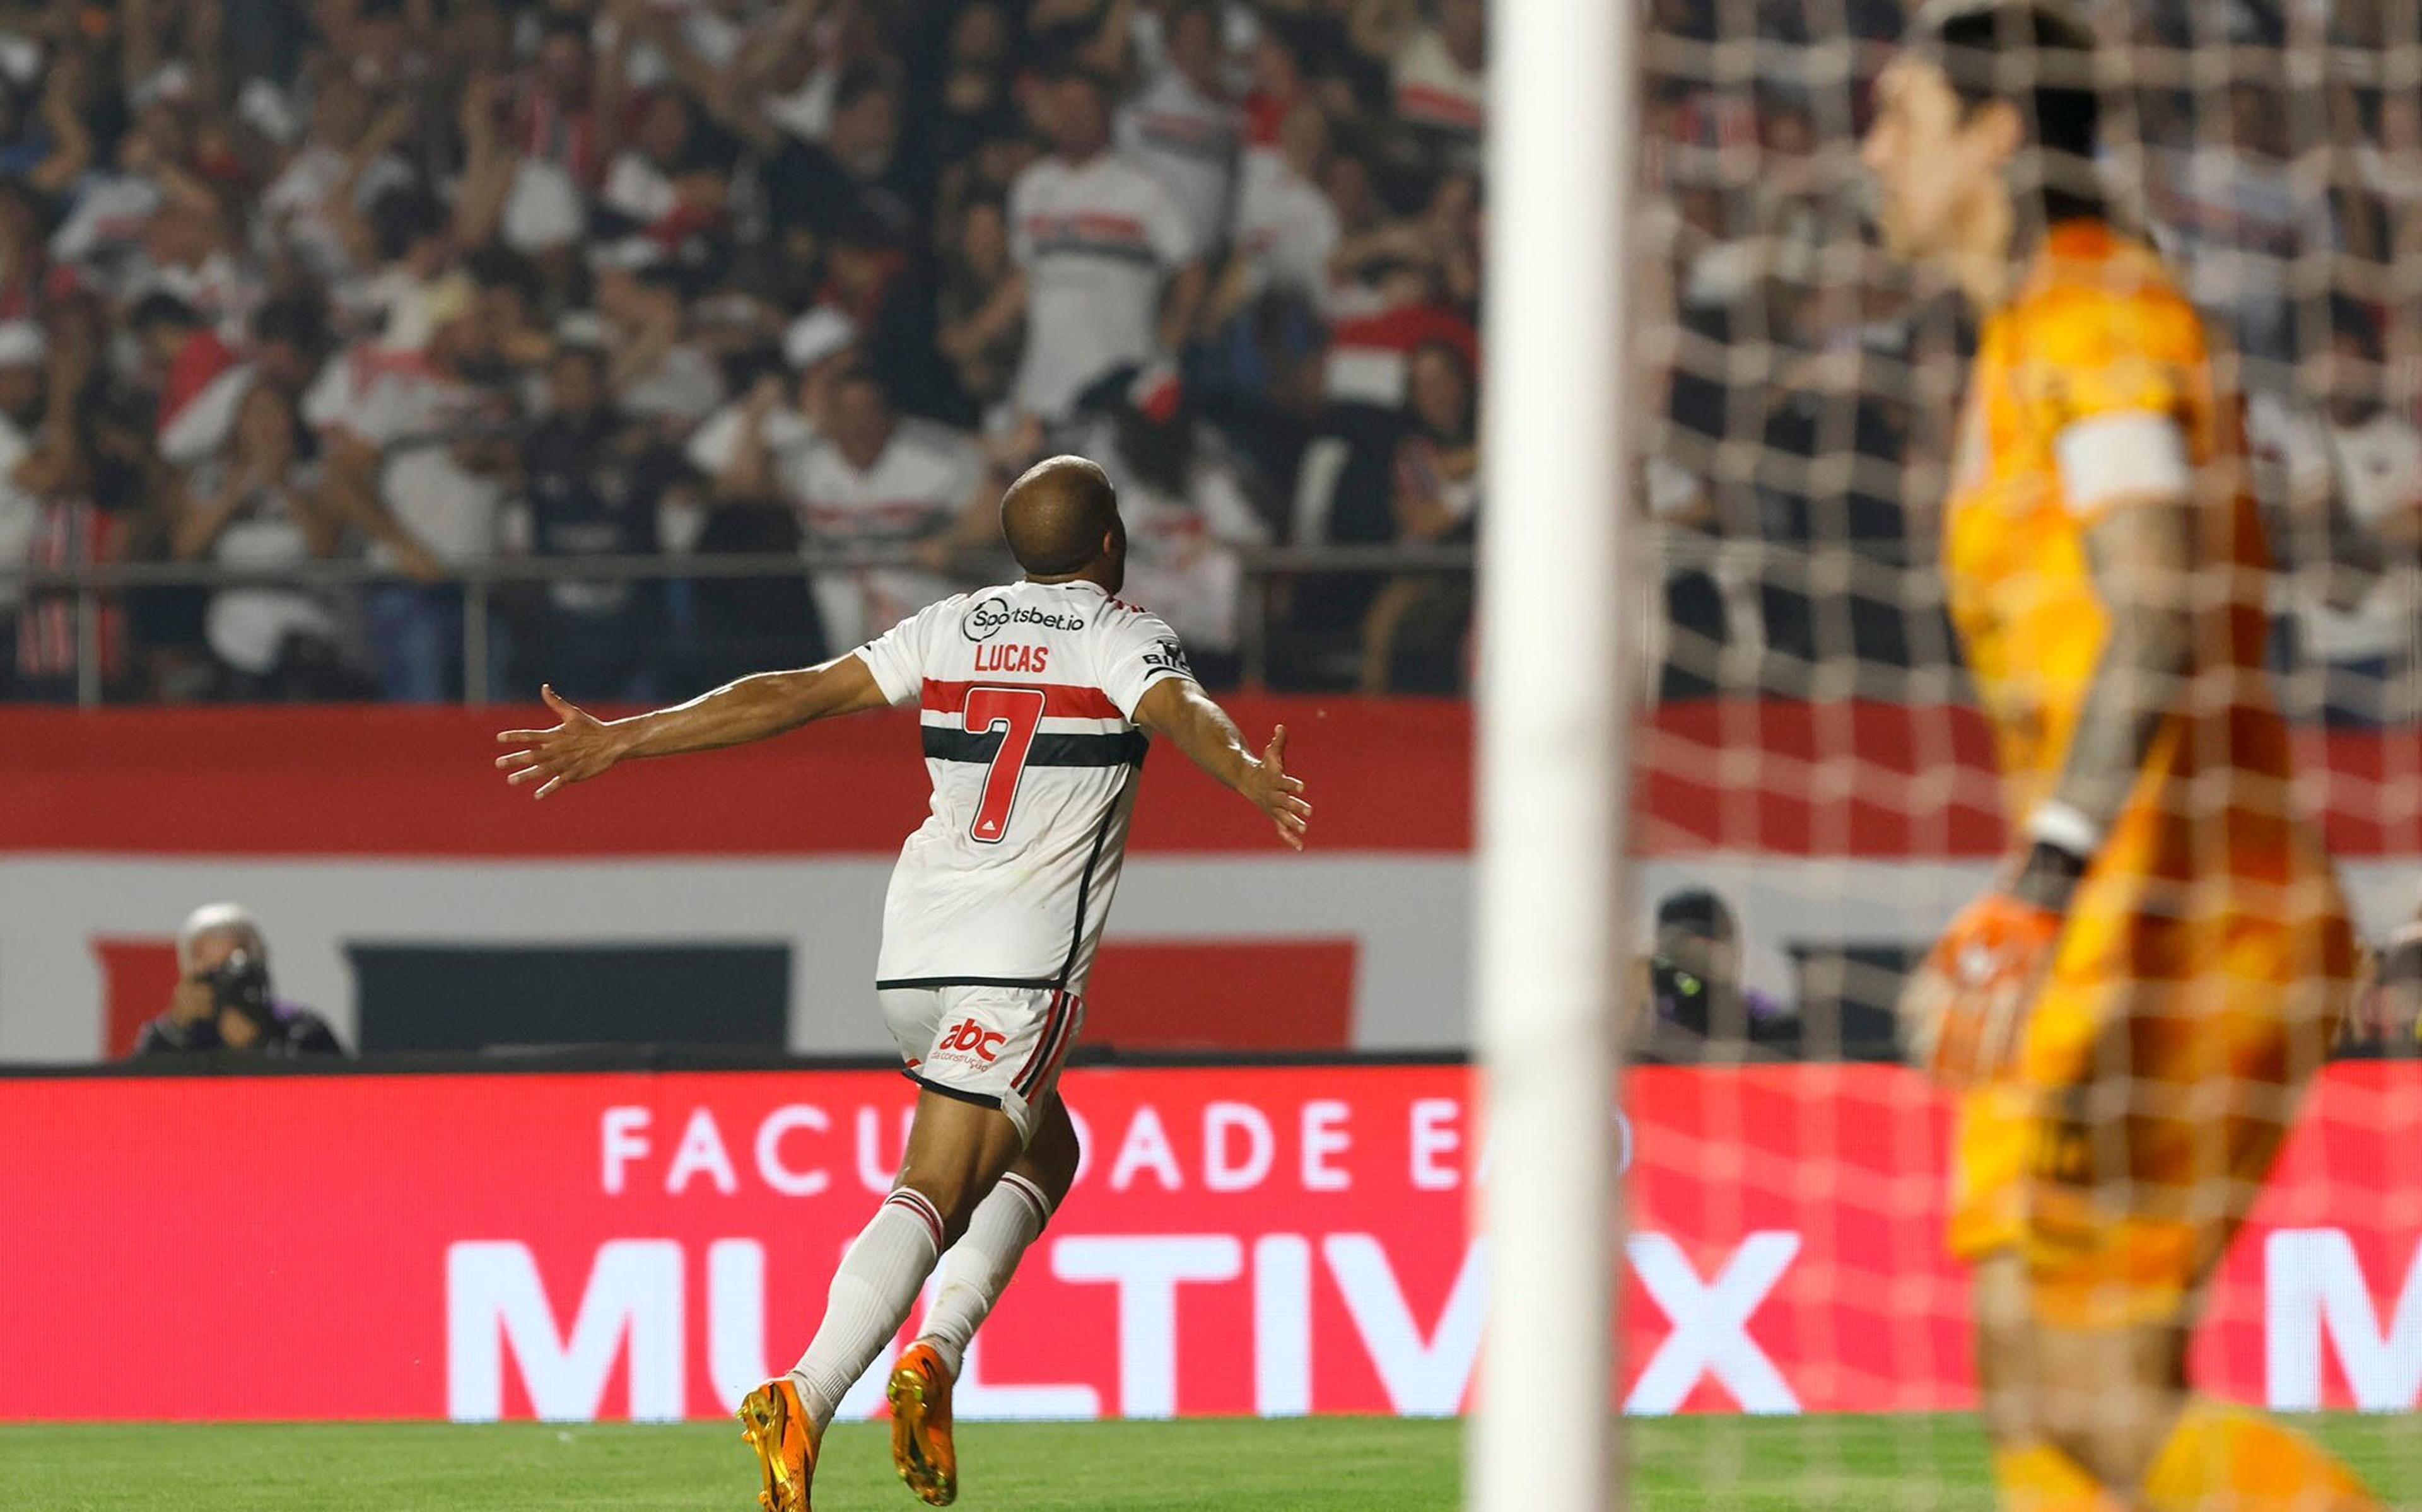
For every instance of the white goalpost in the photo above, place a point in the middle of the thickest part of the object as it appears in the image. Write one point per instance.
(1555, 624)
(1820, 787)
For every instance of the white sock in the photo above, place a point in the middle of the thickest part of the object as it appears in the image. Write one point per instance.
(978, 1266)
(871, 1292)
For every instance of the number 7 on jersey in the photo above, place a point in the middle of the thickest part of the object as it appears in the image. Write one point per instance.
(1016, 713)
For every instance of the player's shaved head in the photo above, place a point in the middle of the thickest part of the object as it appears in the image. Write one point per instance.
(1056, 515)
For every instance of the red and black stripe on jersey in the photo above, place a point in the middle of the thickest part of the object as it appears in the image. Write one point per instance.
(979, 748)
(1061, 700)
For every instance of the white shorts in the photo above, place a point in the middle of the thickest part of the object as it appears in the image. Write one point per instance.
(998, 1046)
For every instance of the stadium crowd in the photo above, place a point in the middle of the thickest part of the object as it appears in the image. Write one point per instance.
(436, 283)
(2274, 152)
(425, 284)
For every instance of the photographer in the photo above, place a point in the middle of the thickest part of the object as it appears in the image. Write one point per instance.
(1698, 1007)
(223, 1002)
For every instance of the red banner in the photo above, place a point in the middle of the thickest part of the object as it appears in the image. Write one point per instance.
(1269, 1241)
(1777, 778)
(361, 836)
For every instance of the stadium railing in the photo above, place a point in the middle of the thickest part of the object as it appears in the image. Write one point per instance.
(1887, 580)
(480, 580)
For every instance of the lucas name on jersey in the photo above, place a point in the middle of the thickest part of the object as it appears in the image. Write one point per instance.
(1009, 657)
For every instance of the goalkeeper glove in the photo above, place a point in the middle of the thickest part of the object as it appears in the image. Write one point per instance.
(1964, 1011)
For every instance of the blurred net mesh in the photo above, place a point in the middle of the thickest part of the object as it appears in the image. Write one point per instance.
(1819, 797)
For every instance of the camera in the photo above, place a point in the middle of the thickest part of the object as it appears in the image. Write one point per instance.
(226, 1006)
(1681, 995)
(241, 983)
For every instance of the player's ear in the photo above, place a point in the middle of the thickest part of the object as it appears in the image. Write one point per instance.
(2004, 130)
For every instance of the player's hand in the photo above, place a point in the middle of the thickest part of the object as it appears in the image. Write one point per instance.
(1275, 793)
(582, 747)
(1962, 1013)
(190, 1003)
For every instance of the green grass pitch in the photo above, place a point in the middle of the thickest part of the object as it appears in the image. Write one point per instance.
(1700, 1464)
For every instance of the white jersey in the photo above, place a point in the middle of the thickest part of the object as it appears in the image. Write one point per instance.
(398, 402)
(1188, 140)
(1286, 228)
(918, 486)
(1096, 240)
(1028, 695)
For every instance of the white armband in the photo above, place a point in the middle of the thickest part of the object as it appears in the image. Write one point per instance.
(2064, 828)
(2114, 455)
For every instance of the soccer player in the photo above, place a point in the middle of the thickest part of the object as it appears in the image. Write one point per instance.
(2134, 1011)
(1036, 698)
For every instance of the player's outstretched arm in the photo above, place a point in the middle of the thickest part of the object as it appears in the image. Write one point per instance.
(1178, 708)
(2141, 553)
(1965, 1006)
(768, 703)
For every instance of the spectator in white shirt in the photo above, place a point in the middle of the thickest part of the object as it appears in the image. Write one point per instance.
(639, 181)
(2236, 210)
(414, 457)
(753, 450)
(1438, 71)
(656, 369)
(1184, 128)
(315, 205)
(185, 253)
(2364, 605)
(878, 480)
(256, 504)
(1188, 516)
(712, 31)
(1112, 276)
(101, 231)
(414, 238)
(1286, 227)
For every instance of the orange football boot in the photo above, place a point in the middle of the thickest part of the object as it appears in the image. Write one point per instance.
(921, 1426)
(775, 1423)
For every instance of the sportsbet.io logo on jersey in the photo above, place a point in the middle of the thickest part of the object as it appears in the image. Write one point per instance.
(991, 617)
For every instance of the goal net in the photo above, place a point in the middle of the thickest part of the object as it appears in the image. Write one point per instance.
(1818, 795)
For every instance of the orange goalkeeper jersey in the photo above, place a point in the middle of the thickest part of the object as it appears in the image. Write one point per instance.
(2096, 376)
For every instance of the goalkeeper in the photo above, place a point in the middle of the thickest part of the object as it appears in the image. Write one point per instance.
(2132, 1015)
